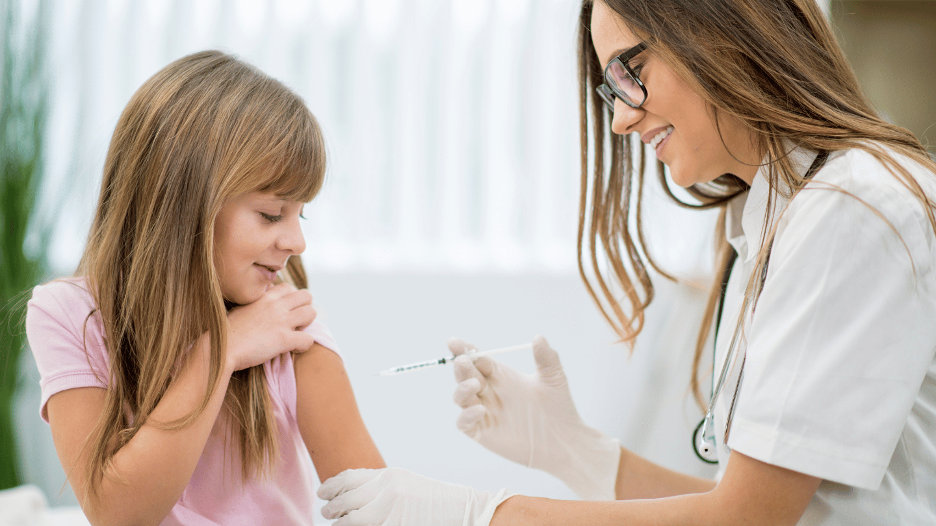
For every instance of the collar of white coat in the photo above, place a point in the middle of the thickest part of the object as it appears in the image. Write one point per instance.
(747, 214)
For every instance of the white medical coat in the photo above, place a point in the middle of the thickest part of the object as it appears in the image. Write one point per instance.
(839, 380)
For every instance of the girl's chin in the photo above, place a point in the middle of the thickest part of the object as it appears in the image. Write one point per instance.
(245, 297)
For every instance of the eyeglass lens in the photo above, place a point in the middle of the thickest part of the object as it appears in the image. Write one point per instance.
(623, 84)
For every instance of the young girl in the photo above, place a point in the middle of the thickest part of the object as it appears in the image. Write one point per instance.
(184, 376)
(823, 403)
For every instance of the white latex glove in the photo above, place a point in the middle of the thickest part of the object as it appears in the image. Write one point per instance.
(531, 420)
(396, 497)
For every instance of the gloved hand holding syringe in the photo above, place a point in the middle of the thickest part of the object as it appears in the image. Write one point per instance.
(529, 418)
(449, 359)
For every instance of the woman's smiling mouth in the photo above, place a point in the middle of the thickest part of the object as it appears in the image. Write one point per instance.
(658, 138)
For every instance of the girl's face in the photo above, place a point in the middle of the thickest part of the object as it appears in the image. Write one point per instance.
(255, 234)
(690, 145)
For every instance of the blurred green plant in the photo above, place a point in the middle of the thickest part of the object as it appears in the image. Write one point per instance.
(23, 104)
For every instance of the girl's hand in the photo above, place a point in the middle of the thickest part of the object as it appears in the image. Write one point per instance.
(270, 326)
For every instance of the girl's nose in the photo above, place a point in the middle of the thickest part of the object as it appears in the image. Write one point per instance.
(292, 240)
(625, 117)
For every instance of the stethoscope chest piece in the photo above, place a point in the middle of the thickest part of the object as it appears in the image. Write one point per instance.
(703, 440)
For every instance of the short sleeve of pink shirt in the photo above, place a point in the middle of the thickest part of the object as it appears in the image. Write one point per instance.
(66, 338)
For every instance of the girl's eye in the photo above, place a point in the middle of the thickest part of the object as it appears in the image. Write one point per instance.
(271, 218)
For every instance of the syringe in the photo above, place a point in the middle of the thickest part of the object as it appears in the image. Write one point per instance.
(449, 359)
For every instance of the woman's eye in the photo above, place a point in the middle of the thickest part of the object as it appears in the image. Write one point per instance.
(272, 218)
(618, 73)
(637, 69)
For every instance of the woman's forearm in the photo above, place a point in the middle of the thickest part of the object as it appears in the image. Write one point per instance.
(638, 478)
(532, 511)
(750, 493)
(639, 481)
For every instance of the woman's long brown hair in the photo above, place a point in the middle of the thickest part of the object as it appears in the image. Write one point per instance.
(201, 131)
(775, 65)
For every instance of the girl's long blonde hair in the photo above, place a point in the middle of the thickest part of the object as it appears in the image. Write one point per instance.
(775, 65)
(201, 131)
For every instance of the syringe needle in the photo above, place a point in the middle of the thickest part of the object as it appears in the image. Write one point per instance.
(449, 359)
(414, 366)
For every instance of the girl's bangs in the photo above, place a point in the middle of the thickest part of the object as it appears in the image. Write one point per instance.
(295, 165)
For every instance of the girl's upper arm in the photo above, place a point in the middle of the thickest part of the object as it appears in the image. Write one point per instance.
(329, 420)
(73, 413)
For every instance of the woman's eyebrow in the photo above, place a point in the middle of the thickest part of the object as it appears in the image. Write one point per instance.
(614, 54)
(620, 51)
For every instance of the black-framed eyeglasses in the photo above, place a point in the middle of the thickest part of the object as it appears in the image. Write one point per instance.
(621, 82)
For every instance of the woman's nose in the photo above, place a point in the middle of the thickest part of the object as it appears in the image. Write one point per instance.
(624, 117)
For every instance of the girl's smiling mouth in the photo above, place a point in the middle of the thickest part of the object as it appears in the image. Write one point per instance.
(268, 272)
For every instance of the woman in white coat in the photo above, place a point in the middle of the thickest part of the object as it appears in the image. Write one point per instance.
(823, 393)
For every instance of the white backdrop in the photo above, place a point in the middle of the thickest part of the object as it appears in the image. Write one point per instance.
(451, 124)
(449, 209)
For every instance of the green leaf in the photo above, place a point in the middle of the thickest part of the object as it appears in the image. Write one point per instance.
(23, 103)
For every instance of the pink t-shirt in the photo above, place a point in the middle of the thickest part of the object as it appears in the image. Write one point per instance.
(58, 337)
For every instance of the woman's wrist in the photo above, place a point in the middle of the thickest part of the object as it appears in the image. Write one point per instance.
(591, 470)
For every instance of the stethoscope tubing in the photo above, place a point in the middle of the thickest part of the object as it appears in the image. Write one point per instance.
(705, 443)
(703, 436)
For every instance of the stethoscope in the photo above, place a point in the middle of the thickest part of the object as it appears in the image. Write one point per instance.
(703, 437)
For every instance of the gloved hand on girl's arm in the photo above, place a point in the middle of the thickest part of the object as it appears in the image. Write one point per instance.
(396, 497)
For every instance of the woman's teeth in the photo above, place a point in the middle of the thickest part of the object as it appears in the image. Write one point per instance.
(656, 140)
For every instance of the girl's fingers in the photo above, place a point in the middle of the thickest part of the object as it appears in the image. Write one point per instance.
(279, 290)
(297, 298)
(299, 341)
(301, 317)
